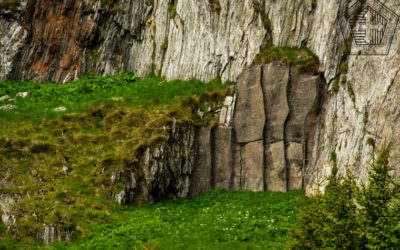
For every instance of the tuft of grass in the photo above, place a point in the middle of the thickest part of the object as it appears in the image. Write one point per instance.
(350, 90)
(164, 45)
(268, 28)
(343, 68)
(113, 5)
(371, 141)
(301, 58)
(172, 10)
(335, 86)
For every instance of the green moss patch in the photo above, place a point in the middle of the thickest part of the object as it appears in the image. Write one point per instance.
(302, 58)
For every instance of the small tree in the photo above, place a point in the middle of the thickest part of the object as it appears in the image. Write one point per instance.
(379, 200)
(350, 217)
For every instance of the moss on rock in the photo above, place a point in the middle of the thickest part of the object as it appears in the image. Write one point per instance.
(301, 58)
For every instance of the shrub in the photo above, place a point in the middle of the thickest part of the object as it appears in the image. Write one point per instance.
(347, 216)
(380, 214)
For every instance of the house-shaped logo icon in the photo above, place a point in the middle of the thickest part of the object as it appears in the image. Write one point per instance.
(371, 26)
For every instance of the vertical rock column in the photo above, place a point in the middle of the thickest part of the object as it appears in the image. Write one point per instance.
(223, 157)
(303, 103)
(201, 180)
(249, 122)
(290, 100)
(275, 85)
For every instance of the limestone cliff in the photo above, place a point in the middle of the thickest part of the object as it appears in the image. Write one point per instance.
(61, 40)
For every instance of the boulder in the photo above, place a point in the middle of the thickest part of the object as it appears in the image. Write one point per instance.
(23, 94)
(60, 109)
(5, 98)
(8, 107)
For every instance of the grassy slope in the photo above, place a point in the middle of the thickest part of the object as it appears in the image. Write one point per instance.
(96, 137)
(80, 94)
(35, 143)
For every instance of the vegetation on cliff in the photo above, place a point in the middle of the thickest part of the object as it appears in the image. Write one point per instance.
(302, 58)
(59, 167)
(348, 216)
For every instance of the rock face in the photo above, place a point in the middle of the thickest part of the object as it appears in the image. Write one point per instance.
(166, 169)
(266, 148)
(61, 40)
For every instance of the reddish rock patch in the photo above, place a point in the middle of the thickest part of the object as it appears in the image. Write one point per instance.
(58, 33)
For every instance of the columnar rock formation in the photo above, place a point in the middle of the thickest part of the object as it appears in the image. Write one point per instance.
(61, 40)
(267, 146)
(277, 133)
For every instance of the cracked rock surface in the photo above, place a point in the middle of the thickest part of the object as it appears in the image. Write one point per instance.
(61, 40)
(267, 146)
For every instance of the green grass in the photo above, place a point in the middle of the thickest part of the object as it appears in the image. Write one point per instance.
(216, 220)
(301, 58)
(89, 89)
(95, 138)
